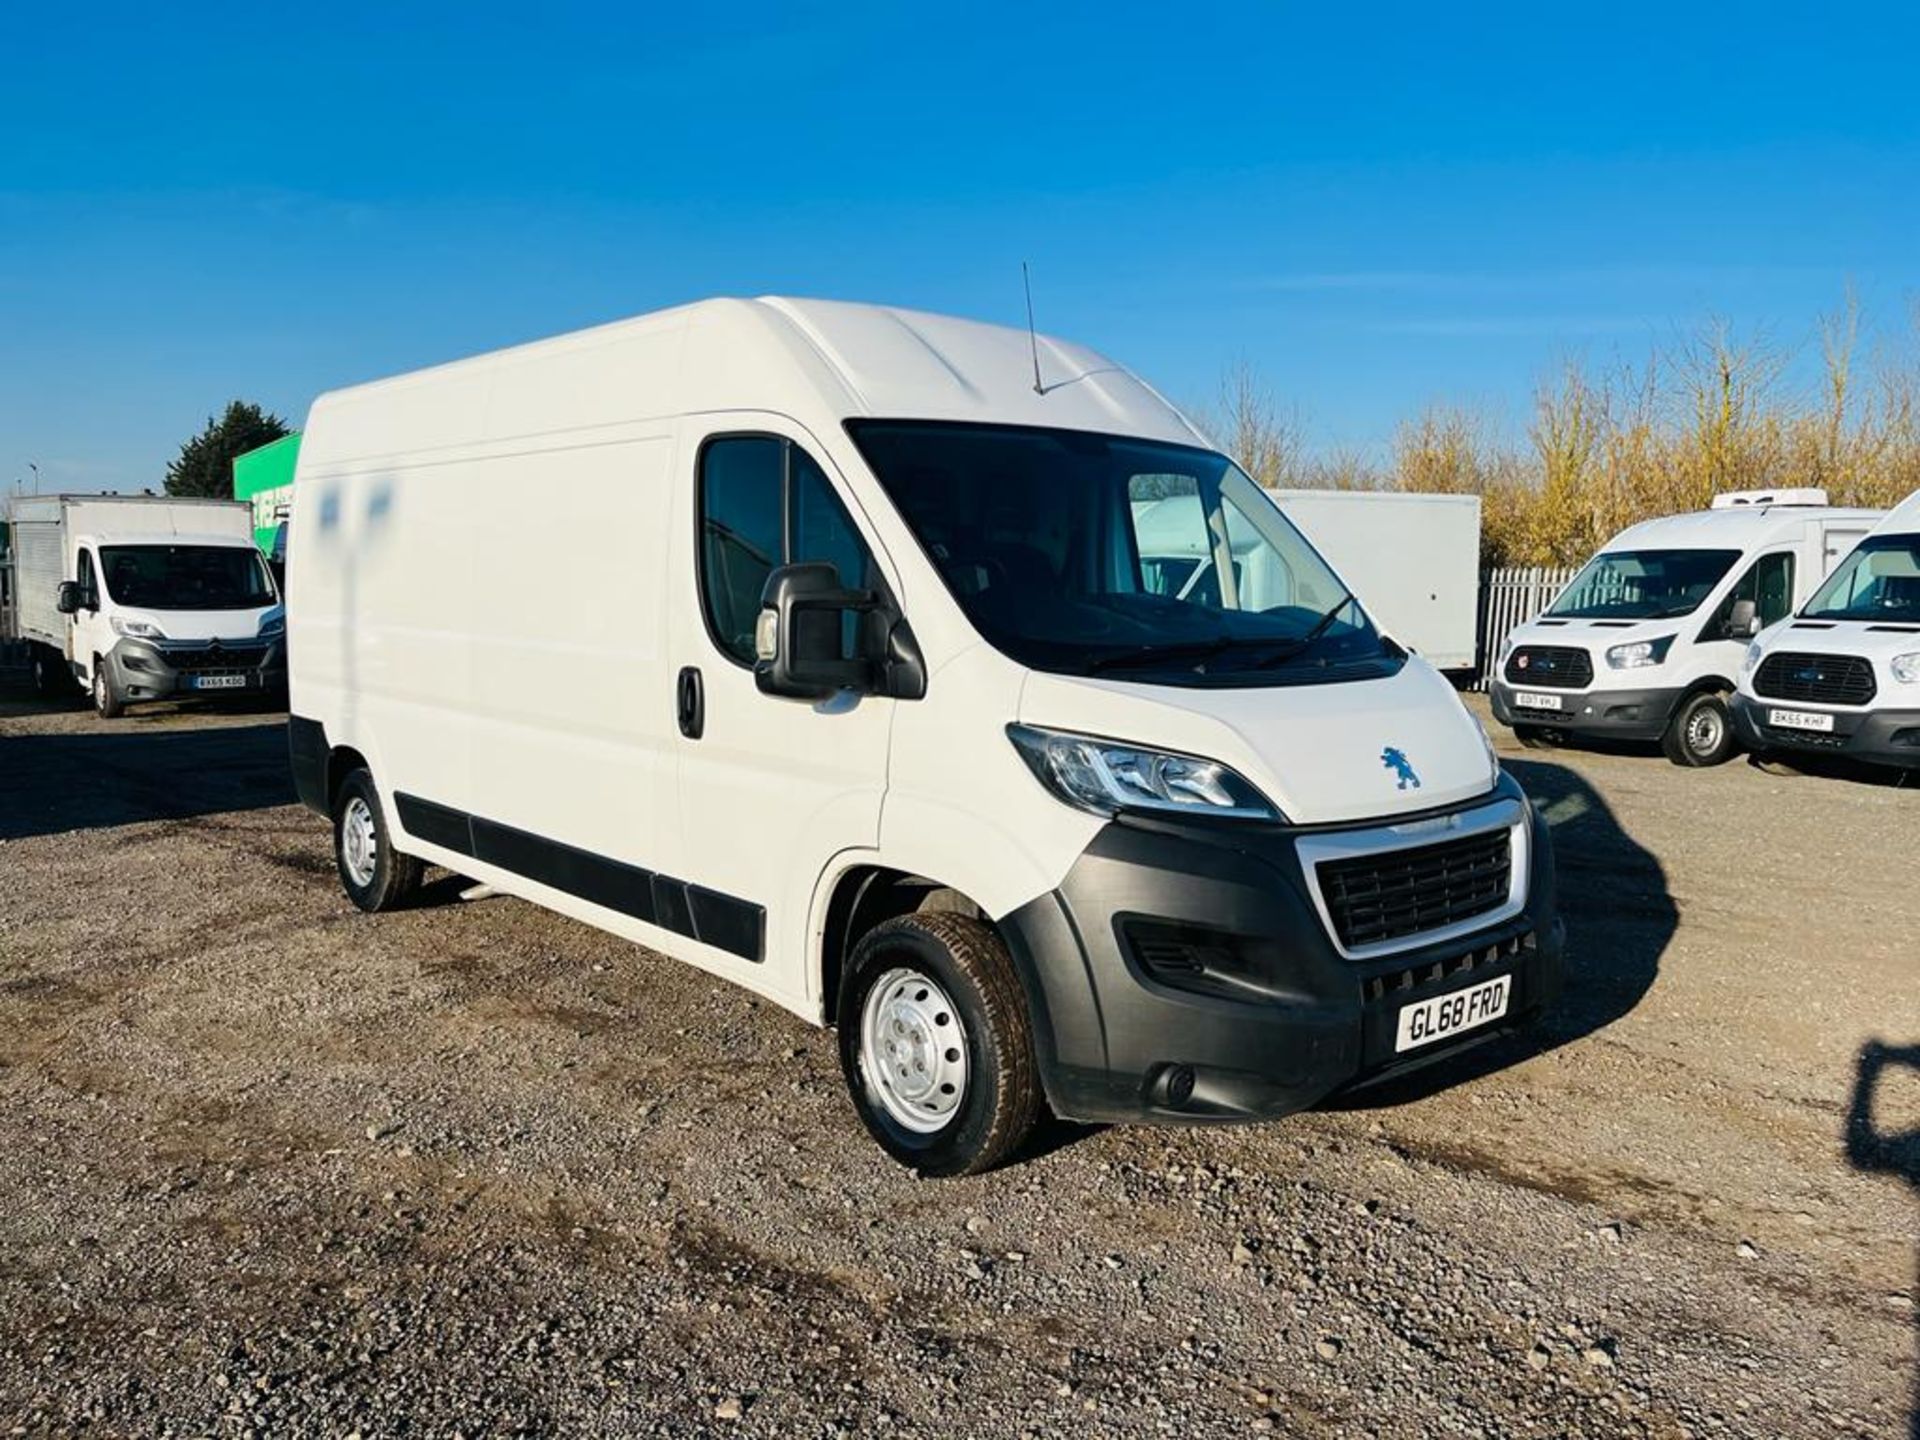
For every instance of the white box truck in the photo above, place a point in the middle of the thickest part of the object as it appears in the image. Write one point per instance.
(1645, 643)
(143, 598)
(1414, 560)
(1842, 676)
(832, 664)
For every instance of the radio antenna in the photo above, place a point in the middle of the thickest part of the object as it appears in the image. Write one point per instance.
(1033, 338)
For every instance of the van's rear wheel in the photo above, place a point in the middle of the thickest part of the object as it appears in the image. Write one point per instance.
(1700, 732)
(50, 674)
(937, 1045)
(375, 875)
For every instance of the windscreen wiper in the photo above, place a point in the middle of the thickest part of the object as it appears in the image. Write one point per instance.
(1305, 642)
(1141, 656)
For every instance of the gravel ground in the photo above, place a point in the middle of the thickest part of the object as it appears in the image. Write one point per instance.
(276, 1167)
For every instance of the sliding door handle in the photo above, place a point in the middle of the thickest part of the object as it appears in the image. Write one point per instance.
(690, 701)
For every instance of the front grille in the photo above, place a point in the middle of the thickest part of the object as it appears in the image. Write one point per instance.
(1815, 679)
(221, 657)
(1551, 667)
(1466, 967)
(1384, 896)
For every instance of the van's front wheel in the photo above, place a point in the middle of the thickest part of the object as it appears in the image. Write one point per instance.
(1701, 732)
(375, 875)
(106, 704)
(936, 1043)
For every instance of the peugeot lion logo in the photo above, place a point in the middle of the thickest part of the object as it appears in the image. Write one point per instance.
(1396, 761)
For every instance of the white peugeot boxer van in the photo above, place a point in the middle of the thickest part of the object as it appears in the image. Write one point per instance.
(811, 643)
(1645, 642)
(1843, 676)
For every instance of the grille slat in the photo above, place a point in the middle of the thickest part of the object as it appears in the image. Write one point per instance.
(205, 657)
(1550, 667)
(1815, 679)
(1374, 898)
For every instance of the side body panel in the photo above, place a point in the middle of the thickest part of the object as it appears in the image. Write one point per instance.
(1413, 560)
(39, 565)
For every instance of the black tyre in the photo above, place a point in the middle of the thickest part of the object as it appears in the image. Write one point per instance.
(937, 1045)
(106, 701)
(375, 875)
(1700, 732)
(50, 674)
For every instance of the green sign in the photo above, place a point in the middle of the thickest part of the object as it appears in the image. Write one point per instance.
(264, 479)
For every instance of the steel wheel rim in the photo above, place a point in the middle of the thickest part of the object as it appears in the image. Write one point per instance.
(1704, 731)
(359, 845)
(913, 1051)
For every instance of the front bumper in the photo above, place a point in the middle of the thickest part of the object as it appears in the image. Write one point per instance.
(1880, 737)
(146, 670)
(1595, 714)
(1306, 1021)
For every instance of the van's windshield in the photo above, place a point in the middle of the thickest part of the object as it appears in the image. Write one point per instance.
(1642, 584)
(1095, 554)
(1878, 582)
(186, 577)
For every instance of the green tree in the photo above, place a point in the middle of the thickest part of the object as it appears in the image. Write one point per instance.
(205, 463)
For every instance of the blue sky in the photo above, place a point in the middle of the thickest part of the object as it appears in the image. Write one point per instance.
(1377, 206)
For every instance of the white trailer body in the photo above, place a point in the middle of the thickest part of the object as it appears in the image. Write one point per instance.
(167, 596)
(1414, 561)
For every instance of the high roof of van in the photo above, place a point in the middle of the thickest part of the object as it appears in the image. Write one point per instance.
(1740, 528)
(819, 362)
(1903, 519)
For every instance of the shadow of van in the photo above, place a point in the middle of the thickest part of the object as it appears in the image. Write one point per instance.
(55, 784)
(1620, 919)
(1876, 1151)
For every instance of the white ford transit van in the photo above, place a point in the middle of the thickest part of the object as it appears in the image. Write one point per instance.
(1644, 643)
(1843, 675)
(812, 643)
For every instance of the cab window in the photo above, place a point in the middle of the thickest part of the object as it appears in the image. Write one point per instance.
(83, 574)
(765, 502)
(1768, 583)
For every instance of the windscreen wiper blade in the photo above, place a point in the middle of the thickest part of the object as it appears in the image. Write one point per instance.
(1141, 656)
(1305, 642)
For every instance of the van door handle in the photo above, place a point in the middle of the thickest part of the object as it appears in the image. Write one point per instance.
(690, 700)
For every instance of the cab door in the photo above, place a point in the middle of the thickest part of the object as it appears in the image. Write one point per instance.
(771, 790)
(88, 630)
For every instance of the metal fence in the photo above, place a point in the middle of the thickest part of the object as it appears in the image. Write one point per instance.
(1509, 598)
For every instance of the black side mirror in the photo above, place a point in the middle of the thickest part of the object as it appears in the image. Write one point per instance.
(1743, 623)
(67, 598)
(798, 644)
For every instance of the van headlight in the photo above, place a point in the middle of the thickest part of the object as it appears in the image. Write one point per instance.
(1906, 668)
(1638, 653)
(1751, 658)
(137, 629)
(273, 627)
(1105, 776)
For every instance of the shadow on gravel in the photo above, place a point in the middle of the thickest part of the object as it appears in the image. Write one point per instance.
(52, 784)
(1878, 1152)
(1620, 919)
(1834, 767)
